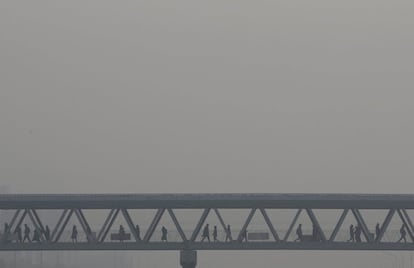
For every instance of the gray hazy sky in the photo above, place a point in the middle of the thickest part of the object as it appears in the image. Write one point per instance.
(207, 96)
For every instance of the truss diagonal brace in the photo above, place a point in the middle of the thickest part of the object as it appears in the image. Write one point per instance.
(385, 225)
(295, 219)
(316, 224)
(109, 225)
(85, 226)
(269, 224)
(21, 218)
(37, 224)
(406, 224)
(362, 224)
(38, 220)
(15, 216)
(62, 228)
(106, 222)
(154, 224)
(246, 224)
(177, 224)
(410, 223)
(200, 224)
(339, 225)
(55, 230)
(228, 234)
(130, 223)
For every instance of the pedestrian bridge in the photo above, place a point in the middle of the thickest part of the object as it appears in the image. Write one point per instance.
(206, 222)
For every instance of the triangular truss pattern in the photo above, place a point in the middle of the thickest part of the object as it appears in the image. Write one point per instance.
(319, 233)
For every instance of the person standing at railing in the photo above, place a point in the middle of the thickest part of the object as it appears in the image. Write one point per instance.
(74, 235)
(351, 233)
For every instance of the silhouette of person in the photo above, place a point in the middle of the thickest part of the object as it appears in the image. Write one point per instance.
(138, 231)
(36, 235)
(215, 233)
(47, 233)
(74, 235)
(26, 233)
(121, 233)
(351, 233)
(164, 234)
(377, 231)
(228, 233)
(358, 232)
(206, 233)
(244, 235)
(89, 236)
(6, 228)
(18, 232)
(315, 234)
(6, 233)
(403, 234)
(299, 233)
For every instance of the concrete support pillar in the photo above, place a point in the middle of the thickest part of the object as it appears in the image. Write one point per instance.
(188, 258)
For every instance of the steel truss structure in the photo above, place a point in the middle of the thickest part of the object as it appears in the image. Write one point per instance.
(27, 206)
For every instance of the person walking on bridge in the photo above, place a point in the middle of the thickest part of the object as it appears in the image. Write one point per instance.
(206, 233)
(215, 233)
(377, 231)
(299, 233)
(403, 233)
(228, 233)
(164, 233)
(74, 235)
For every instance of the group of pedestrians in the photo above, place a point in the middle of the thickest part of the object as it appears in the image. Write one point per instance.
(300, 237)
(25, 235)
(206, 234)
(355, 233)
(22, 235)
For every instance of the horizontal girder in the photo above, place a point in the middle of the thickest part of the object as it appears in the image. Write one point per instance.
(137, 201)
